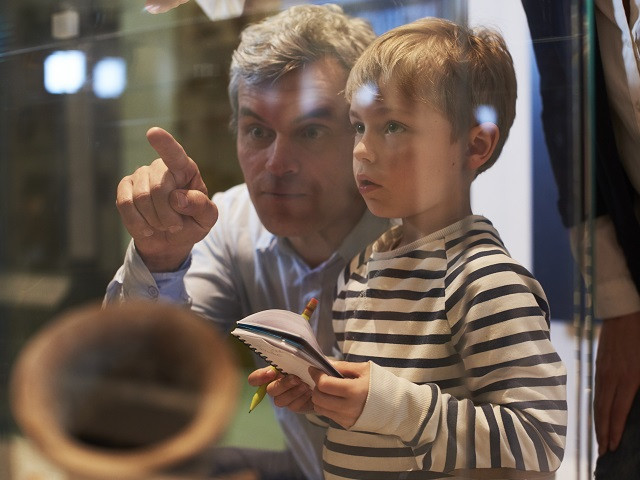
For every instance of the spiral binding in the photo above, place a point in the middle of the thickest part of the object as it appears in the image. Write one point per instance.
(263, 356)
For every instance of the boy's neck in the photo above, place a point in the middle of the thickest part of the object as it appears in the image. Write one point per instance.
(415, 228)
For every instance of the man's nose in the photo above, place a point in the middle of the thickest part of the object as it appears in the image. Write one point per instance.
(281, 157)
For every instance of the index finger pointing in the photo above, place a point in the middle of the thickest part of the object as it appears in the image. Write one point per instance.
(173, 155)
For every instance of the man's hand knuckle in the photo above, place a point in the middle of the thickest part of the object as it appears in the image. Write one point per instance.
(140, 197)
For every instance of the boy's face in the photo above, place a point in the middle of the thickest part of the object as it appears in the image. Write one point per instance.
(405, 163)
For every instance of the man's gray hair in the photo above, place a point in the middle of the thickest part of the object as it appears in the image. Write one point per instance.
(291, 39)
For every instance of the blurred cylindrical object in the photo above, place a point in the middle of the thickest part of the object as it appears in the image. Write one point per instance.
(124, 391)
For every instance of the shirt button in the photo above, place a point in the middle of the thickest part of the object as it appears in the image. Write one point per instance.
(153, 291)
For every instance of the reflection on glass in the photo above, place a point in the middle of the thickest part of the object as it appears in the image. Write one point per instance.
(64, 71)
(109, 77)
(64, 147)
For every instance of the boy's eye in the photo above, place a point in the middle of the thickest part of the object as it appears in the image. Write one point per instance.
(394, 127)
(358, 128)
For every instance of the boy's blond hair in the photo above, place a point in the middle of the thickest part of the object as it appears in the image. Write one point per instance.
(465, 74)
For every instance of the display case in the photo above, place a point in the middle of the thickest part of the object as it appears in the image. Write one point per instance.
(82, 81)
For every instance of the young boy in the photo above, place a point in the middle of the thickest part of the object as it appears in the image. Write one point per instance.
(445, 337)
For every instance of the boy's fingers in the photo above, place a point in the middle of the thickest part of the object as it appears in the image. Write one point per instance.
(327, 384)
(315, 373)
(351, 369)
(283, 384)
(339, 387)
(329, 412)
(262, 376)
(302, 404)
(295, 396)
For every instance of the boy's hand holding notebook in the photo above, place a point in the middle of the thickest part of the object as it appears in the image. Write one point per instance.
(285, 340)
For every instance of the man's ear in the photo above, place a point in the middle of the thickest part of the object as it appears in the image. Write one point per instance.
(483, 139)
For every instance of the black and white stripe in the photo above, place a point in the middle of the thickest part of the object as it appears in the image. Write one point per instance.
(463, 372)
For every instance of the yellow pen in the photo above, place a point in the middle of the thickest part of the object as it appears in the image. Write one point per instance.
(308, 310)
(262, 389)
(260, 393)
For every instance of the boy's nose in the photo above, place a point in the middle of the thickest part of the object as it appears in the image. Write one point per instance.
(361, 153)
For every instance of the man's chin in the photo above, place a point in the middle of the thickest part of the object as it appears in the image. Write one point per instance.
(288, 225)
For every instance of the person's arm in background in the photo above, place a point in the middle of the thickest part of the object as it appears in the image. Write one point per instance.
(617, 303)
(616, 232)
(617, 377)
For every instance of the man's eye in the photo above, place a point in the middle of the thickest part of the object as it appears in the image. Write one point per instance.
(313, 132)
(394, 127)
(257, 132)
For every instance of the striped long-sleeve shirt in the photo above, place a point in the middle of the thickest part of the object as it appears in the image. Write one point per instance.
(463, 373)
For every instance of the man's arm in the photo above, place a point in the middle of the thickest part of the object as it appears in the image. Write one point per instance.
(166, 209)
(134, 280)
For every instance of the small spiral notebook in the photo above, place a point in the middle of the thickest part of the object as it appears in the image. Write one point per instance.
(285, 340)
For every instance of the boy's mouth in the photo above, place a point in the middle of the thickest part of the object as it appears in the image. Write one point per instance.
(365, 184)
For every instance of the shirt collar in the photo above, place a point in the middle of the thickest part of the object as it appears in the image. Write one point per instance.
(368, 228)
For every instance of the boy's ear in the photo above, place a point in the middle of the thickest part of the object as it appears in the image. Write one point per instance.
(483, 139)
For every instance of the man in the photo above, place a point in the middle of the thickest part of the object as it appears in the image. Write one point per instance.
(284, 235)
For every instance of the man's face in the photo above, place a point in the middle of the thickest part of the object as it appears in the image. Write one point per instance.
(295, 148)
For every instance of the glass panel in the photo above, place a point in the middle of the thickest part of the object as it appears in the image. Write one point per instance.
(82, 82)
